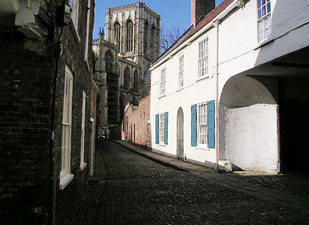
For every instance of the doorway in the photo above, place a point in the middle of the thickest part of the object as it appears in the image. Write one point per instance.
(180, 134)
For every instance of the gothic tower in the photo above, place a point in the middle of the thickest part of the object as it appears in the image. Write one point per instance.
(135, 30)
(123, 58)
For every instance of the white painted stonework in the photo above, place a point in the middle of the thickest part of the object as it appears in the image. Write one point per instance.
(194, 91)
(250, 137)
(247, 92)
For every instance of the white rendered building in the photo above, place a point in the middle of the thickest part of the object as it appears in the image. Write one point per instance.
(233, 91)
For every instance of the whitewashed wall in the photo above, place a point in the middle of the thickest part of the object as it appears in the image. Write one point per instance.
(194, 91)
(250, 137)
(239, 49)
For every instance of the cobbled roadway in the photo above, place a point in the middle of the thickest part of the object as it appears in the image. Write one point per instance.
(131, 189)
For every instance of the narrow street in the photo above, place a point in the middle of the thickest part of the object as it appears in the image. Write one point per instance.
(131, 189)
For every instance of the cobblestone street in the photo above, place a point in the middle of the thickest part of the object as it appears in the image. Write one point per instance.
(131, 189)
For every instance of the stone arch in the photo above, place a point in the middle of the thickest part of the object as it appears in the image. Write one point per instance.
(129, 38)
(248, 131)
(127, 78)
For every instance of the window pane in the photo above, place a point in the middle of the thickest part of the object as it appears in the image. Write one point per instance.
(264, 11)
(259, 13)
(268, 7)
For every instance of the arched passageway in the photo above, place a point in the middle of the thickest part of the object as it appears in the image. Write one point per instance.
(249, 123)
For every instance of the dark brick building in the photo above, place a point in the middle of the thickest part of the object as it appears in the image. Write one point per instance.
(47, 108)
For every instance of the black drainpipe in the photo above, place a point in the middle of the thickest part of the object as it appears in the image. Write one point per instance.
(52, 164)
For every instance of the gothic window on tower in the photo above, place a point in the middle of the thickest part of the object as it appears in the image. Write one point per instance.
(117, 35)
(109, 62)
(153, 33)
(129, 36)
(135, 80)
(127, 78)
(146, 37)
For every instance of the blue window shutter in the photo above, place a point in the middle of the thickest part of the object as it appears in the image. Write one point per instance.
(166, 128)
(211, 124)
(193, 125)
(157, 129)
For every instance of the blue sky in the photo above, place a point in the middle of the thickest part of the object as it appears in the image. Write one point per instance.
(173, 12)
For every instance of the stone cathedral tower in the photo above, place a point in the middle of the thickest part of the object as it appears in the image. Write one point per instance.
(135, 30)
(123, 58)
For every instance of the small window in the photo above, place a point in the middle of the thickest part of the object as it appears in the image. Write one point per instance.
(202, 124)
(75, 8)
(65, 173)
(203, 58)
(264, 19)
(83, 123)
(161, 128)
(87, 32)
(181, 71)
(162, 82)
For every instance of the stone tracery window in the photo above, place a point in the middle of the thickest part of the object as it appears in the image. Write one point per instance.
(127, 78)
(109, 62)
(117, 35)
(146, 37)
(135, 84)
(129, 36)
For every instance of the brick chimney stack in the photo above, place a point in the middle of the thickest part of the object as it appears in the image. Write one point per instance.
(199, 8)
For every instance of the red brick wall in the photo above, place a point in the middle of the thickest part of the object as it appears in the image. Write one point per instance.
(135, 126)
(199, 8)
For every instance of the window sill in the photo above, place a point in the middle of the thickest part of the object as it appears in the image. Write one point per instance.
(202, 148)
(65, 181)
(161, 96)
(265, 42)
(202, 78)
(83, 166)
(162, 144)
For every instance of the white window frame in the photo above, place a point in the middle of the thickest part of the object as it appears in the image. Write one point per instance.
(263, 20)
(203, 58)
(65, 174)
(181, 71)
(163, 82)
(83, 125)
(202, 125)
(74, 14)
(161, 128)
(87, 32)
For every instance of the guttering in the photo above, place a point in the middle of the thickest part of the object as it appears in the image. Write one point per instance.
(199, 33)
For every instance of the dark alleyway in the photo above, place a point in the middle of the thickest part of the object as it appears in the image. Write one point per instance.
(131, 189)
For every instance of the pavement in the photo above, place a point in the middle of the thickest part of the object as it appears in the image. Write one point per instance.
(289, 190)
(133, 185)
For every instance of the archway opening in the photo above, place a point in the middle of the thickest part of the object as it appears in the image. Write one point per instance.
(249, 123)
